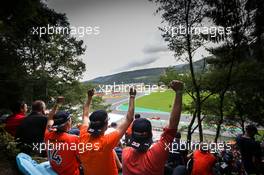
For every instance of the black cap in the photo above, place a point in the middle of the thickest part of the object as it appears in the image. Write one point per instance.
(97, 121)
(141, 138)
(252, 129)
(61, 118)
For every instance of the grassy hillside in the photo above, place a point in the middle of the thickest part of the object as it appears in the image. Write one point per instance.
(147, 76)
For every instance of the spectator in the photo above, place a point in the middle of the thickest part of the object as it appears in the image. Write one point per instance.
(62, 154)
(118, 162)
(19, 110)
(178, 154)
(32, 128)
(141, 158)
(102, 144)
(203, 161)
(250, 150)
(111, 128)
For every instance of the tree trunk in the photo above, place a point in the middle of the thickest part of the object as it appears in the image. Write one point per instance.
(220, 122)
(189, 134)
(199, 121)
(195, 85)
(242, 122)
(222, 97)
(243, 126)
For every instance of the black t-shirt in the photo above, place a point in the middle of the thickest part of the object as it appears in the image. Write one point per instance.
(32, 129)
(249, 148)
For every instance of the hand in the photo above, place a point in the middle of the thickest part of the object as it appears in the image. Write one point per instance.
(60, 100)
(51, 129)
(90, 93)
(78, 125)
(176, 85)
(132, 92)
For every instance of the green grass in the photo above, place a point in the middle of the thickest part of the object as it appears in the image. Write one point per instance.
(161, 101)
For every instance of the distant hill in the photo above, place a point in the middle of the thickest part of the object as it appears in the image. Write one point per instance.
(147, 76)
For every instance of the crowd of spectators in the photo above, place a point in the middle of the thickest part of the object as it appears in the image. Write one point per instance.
(105, 152)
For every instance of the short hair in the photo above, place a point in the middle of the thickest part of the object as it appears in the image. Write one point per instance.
(16, 106)
(38, 106)
(113, 125)
(137, 116)
(251, 129)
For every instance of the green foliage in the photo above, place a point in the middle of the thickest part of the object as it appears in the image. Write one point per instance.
(8, 144)
(202, 79)
(98, 103)
(260, 137)
(237, 65)
(34, 67)
(211, 108)
(248, 91)
(234, 72)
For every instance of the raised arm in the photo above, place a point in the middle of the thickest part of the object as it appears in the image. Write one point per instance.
(86, 107)
(130, 113)
(177, 86)
(118, 162)
(59, 102)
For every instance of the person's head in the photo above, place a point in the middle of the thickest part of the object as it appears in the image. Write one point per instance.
(180, 170)
(62, 121)
(113, 125)
(137, 116)
(251, 130)
(98, 123)
(178, 135)
(141, 138)
(39, 106)
(19, 107)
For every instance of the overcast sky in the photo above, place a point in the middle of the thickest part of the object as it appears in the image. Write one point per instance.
(129, 37)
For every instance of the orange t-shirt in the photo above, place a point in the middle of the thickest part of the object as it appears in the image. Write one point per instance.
(152, 161)
(203, 163)
(62, 152)
(98, 158)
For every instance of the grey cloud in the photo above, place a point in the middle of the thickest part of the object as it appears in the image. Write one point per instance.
(155, 49)
(139, 63)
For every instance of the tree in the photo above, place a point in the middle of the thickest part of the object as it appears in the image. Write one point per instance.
(241, 49)
(219, 79)
(33, 66)
(188, 14)
(201, 72)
